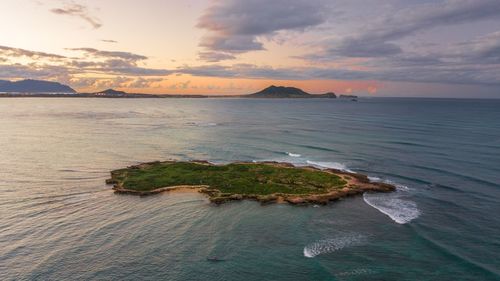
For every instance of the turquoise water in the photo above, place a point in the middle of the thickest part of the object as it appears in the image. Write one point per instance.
(59, 220)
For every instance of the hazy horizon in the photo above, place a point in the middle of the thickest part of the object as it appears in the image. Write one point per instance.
(389, 48)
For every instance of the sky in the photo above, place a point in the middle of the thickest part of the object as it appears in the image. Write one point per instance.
(448, 48)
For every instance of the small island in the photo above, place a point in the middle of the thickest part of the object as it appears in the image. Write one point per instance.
(280, 92)
(266, 182)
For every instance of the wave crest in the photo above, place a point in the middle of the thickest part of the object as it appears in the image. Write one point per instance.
(399, 186)
(329, 165)
(399, 210)
(331, 245)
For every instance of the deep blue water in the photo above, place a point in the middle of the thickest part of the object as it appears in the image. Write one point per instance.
(59, 221)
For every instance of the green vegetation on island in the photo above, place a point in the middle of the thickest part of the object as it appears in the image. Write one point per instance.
(264, 181)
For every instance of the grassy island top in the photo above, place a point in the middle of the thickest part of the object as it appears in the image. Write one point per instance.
(266, 181)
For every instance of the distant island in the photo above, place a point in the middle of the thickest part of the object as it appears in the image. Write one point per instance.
(277, 92)
(266, 182)
(40, 88)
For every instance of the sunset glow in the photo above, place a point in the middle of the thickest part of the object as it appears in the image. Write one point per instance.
(229, 47)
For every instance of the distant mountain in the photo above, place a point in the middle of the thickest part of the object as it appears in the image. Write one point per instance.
(34, 86)
(287, 92)
(112, 92)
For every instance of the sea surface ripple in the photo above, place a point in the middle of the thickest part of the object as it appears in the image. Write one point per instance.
(59, 221)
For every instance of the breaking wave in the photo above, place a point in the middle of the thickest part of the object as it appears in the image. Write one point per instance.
(374, 179)
(329, 165)
(293, 154)
(394, 204)
(331, 245)
(399, 186)
(398, 209)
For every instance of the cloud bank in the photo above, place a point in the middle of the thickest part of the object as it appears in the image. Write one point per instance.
(235, 27)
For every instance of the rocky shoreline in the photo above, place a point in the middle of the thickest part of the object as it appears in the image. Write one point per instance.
(356, 184)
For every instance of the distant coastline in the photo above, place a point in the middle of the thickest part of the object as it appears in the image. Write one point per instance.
(48, 89)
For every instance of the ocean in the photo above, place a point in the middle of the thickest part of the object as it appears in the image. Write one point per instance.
(60, 221)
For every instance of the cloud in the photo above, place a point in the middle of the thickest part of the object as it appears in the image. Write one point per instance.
(379, 52)
(484, 50)
(248, 71)
(378, 38)
(372, 89)
(215, 56)
(231, 44)
(180, 85)
(145, 82)
(115, 82)
(15, 71)
(110, 54)
(108, 41)
(80, 11)
(16, 63)
(454, 74)
(100, 83)
(362, 48)
(114, 62)
(208, 71)
(133, 71)
(235, 26)
(17, 52)
(414, 19)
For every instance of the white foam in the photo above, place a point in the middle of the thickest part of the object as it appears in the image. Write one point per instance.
(332, 245)
(331, 165)
(299, 162)
(296, 161)
(399, 186)
(399, 210)
(293, 154)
